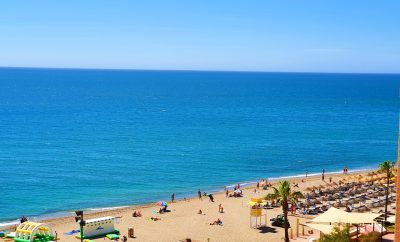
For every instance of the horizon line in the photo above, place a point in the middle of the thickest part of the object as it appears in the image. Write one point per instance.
(194, 70)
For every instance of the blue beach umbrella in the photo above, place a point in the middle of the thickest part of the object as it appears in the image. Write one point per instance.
(162, 203)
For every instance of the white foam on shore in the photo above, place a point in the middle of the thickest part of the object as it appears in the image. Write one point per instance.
(8, 224)
(106, 208)
(246, 184)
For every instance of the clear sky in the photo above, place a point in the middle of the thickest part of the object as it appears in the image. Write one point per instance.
(264, 35)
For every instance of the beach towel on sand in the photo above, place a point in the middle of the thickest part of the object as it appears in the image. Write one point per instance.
(72, 232)
(112, 236)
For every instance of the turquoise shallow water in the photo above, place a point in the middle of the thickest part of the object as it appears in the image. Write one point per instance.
(94, 138)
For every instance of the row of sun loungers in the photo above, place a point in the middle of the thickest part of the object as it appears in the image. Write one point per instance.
(352, 196)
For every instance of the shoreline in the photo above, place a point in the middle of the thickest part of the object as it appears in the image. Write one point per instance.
(61, 215)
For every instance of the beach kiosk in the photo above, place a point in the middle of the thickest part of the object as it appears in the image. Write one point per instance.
(33, 232)
(99, 227)
(256, 212)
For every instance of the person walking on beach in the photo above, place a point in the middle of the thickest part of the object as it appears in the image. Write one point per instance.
(172, 197)
(330, 179)
(199, 194)
(306, 174)
(323, 174)
(211, 197)
(226, 193)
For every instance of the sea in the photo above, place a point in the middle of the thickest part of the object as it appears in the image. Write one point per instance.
(96, 139)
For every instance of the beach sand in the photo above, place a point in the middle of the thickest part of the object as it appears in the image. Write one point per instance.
(184, 222)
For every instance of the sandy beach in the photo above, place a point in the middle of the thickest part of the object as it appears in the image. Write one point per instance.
(184, 221)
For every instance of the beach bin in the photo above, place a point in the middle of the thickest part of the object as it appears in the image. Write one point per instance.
(131, 232)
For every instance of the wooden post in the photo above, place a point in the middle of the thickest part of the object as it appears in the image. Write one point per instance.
(297, 228)
(357, 232)
(302, 231)
(265, 219)
(291, 233)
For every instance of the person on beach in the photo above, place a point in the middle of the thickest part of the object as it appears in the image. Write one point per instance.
(330, 179)
(306, 174)
(172, 197)
(226, 193)
(258, 185)
(216, 222)
(136, 214)
(23, 219)
(211, 197)
(199, 194)
(293, 208)
(323, 177)
(220, 208)
(200, 212)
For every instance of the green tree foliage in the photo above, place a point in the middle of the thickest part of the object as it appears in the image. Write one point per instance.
(337, 235)
(283, 194)
(387, 167)
(371, 237)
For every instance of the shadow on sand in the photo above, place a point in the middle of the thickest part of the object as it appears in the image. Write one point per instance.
(265, 229)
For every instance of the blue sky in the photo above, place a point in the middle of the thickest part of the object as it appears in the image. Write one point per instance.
(306, 35)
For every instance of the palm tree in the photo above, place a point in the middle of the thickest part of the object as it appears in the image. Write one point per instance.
(284, 194)
(387, 167)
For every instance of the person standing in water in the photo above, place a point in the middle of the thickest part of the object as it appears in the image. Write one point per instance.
(172, 197)
(199, 194)
(323, 174)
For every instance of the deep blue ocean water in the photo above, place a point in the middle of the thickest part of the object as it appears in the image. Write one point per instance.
(74, 139)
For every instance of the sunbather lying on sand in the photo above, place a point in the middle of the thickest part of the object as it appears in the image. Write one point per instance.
(216, 222)
(155, 218)
(136, 214)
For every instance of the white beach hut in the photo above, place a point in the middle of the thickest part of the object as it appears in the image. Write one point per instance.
(99, 227)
